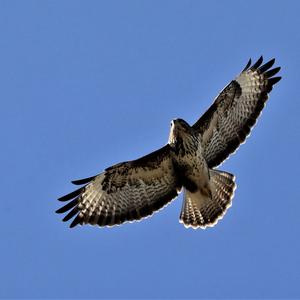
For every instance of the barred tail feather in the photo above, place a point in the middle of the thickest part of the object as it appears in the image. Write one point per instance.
(204, 208)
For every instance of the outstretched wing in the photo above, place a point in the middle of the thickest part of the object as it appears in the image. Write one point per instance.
(127, 191)
(227, 123)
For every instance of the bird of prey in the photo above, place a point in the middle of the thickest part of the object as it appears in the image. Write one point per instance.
(133, 190)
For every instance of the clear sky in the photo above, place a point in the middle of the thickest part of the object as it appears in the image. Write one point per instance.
(87, 84)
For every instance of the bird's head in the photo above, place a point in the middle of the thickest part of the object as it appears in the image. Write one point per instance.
(180, 130)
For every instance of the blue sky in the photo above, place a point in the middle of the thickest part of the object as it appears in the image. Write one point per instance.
(87, 84)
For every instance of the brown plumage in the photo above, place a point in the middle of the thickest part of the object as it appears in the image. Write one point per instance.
(133, 190)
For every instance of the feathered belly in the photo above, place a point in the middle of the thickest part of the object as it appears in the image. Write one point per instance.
(193, 172)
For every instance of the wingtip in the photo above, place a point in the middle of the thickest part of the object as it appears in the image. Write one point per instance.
(72, 195)
(258, 63)
(83, 181)
(274, 80)
(68, 206)
(75, 222)
(272, 72)
(247, 65)
(71, 214)
(260, 60)
(62, 199)
(267, 66)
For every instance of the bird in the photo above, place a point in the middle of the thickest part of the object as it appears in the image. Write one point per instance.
(133, 190)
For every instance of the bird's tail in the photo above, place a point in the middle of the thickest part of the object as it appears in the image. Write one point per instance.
(205, 207)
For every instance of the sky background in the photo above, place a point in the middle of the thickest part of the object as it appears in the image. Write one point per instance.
(87, 84)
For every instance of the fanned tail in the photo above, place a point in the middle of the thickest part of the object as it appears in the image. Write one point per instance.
(204, 208)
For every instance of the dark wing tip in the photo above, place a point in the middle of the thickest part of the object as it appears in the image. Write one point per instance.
(73, 206)
(267, 72)
(75, 222)
(71, 195)
(67, 206)
(258, 63)
(274, 80)
(247, 65)
(272, 72)
(74, 203)
(267, 65)
(71, 214)
(83, 181)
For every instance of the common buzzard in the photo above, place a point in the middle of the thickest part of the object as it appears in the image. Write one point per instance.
(133, 190)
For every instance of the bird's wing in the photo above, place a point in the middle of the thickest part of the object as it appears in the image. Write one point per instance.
(227, 123)
(127, 191)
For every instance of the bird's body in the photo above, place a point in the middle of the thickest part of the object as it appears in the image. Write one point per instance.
(202, 206)
(187, 156)
(133, 190)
